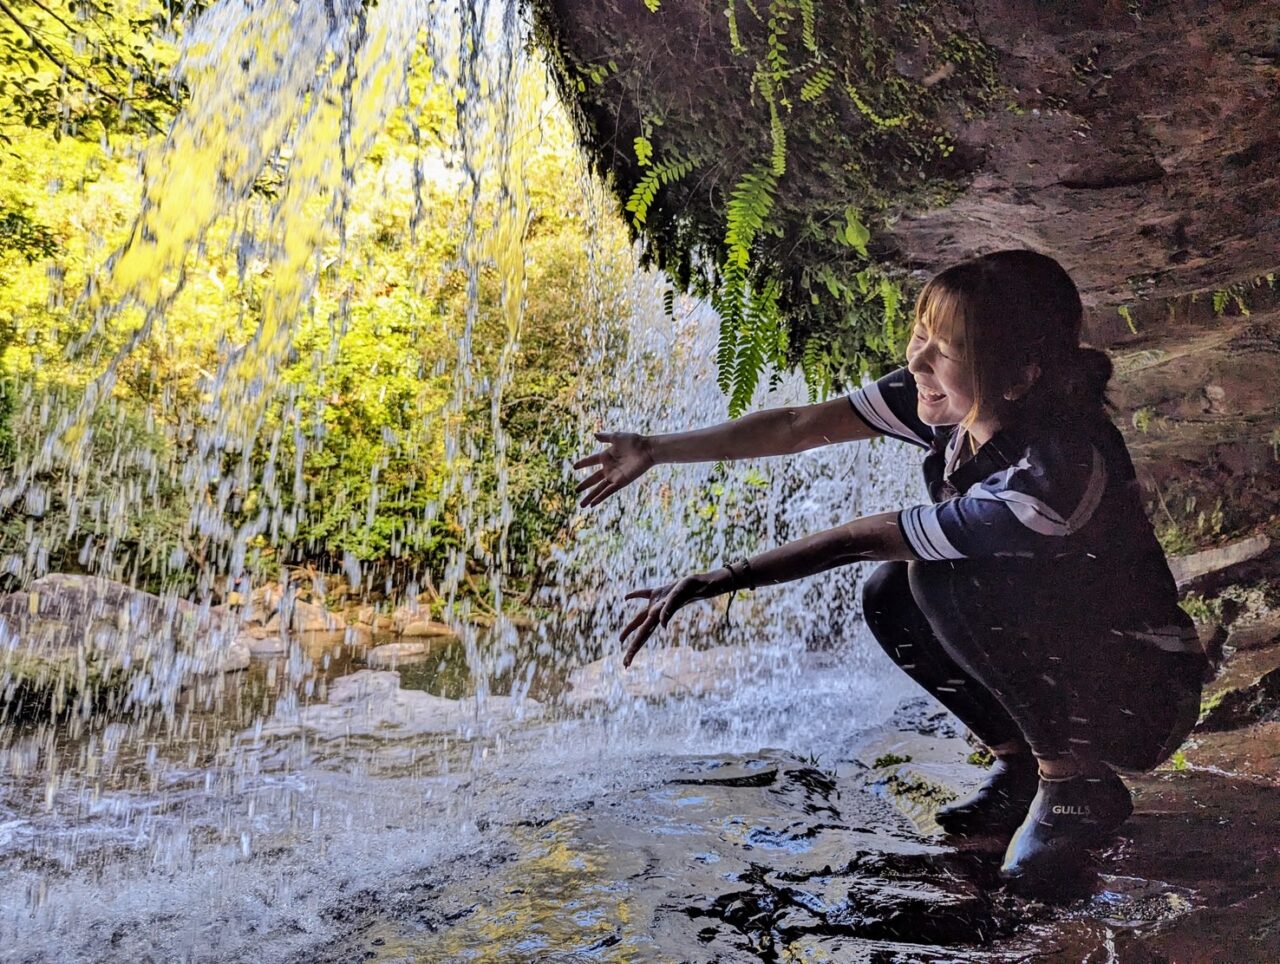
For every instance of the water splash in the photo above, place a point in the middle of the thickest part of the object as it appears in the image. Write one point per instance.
(231, 795)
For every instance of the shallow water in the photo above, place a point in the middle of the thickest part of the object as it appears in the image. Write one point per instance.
(225, 844)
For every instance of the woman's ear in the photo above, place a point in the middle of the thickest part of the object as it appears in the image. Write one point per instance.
(1030, 374)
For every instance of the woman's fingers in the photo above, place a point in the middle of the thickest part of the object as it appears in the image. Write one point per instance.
(590, 481)
(640, 594)
(636, 647)
(648, 622)
(594, 459)
(631, 626)
(606, 489)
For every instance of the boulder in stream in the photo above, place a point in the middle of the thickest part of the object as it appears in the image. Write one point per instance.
(391, 655)
(372, 704)
(73, 638)
(425, 629)
(304, 617)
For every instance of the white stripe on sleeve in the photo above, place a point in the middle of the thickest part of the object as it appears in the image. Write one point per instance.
(1092, 494)
(870, 404)
(924, 535)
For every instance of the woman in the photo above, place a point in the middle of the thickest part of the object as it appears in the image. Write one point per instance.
(1030, 596)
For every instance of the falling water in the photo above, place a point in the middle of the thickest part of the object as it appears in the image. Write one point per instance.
(202, 814)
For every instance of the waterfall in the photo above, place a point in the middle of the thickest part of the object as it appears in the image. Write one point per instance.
(234, 792)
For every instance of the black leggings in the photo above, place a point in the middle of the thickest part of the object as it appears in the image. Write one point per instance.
(1019, 657)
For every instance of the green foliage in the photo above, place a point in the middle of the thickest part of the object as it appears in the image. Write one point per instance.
(853, 233)
(1202, 609)
(1127, 314)
(752, 333)
(789, 140)
(1236, 294)
(88, 68)
(351, 462)
(981, 758)
(657, 177)
(1184, 524)
(890, 760)
(21, 235)
(818, 83)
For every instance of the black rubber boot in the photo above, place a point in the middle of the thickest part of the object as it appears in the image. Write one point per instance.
(998, 806)
(1066, 818)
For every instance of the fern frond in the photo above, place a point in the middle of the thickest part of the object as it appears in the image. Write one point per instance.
(808, 33)
(762, 341)
(817, 84)
(778, 156)
(735, 42)
(814, 367)
(865, 109)
(658, 176)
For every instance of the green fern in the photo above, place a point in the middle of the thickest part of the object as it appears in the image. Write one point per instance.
(778, 155)
(1127, 314)
(816, 368)
(748, 208)
(761, 341)
(865, 109)
(746, 213)
(808, 33)
(644, 150)
(735, 41)
(817, 84)
(657, 177)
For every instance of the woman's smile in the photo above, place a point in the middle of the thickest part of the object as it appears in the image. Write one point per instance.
(943, 393)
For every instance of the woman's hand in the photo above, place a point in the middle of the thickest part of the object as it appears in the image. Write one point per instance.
(665, 601)
(627, 458)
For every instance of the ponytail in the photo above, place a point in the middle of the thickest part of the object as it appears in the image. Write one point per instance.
(1073, 386)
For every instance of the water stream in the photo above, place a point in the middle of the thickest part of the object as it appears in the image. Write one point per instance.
(231, 816)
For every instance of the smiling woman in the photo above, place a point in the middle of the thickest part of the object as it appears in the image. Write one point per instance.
(1030, 597)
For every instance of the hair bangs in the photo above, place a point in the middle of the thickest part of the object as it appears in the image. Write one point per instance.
(941, 311)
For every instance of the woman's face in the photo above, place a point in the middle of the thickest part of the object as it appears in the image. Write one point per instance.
(945, 392)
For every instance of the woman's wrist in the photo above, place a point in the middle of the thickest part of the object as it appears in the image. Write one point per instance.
(651, 445)
(720, 581)
(734, 575)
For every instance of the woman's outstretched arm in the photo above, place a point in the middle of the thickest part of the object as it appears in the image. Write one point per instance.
(873, 537)
(774, 431)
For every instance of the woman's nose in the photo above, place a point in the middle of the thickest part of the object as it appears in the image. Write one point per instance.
(917, 361)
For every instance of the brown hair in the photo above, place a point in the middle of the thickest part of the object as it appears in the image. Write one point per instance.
(1015, 308)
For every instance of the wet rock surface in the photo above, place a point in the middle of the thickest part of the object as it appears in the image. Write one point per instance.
(768, 857)
(70, 640)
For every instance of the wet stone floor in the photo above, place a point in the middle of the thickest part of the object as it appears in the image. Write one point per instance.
(770, 858)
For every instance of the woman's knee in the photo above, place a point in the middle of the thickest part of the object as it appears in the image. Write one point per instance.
(885, 591)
